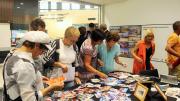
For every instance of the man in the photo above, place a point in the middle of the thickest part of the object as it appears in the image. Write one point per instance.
(82, 36)
(173, 49)
(19, 72)
(103, 27)
(36, 25)
(92, 27)
(39, 25)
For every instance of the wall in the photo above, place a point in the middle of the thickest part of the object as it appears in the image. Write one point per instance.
(141, 12)
(56, 29)
(6, 10)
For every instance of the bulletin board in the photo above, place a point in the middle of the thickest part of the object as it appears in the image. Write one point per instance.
(161, 34)
(129, 36)
(5, 36)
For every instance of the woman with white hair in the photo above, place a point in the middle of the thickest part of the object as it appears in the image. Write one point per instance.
(143, 52)
(66, 52)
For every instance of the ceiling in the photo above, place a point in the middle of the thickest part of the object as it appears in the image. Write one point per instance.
(102, 2)
(98, 2)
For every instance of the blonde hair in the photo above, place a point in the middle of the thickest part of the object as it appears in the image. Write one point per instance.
(71, 31)
(148, 32)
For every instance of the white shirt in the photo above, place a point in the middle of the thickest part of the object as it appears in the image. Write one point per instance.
(24, 74)
(67, 56)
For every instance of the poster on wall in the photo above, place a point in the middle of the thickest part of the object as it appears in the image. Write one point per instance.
(129, 35)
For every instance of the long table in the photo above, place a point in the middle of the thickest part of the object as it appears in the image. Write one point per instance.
(151, 96)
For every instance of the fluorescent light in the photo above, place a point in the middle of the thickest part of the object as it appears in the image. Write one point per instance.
(18, 7)
(21, 3)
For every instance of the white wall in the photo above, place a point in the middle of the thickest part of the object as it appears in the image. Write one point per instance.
(142, 12)
(5, 36)
(56, 29)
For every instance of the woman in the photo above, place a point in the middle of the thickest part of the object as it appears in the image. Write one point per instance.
(143, 52)
(109, 52)
(20, 73)
(66, 55)
(88, 54)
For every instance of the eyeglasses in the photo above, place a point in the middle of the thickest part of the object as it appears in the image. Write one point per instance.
(43, 47)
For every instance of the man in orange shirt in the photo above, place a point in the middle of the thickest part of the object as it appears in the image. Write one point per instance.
(173, 49)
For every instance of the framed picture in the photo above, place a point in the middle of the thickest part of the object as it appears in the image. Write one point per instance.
(160, 91)
(140, 91)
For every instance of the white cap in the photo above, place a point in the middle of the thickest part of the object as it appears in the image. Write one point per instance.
(38, 37)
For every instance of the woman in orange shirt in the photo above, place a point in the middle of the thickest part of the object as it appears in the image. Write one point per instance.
(143, 52)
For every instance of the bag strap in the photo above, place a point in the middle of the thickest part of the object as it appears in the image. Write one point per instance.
(56, 54)
(5, 95)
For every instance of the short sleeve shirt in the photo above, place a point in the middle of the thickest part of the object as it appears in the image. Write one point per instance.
(175, 40)
(88, 49)
(107, 56)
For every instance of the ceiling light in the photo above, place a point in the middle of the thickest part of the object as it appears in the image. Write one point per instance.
(18, 7)
(21, 3)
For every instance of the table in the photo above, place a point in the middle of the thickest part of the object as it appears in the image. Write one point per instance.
(122, 78)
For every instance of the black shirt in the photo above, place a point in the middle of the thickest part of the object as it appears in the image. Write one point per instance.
(148, 54)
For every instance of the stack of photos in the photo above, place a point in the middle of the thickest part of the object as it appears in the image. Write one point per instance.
(129, 36)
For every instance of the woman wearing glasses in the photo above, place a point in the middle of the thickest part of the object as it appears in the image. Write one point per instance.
(66, 55)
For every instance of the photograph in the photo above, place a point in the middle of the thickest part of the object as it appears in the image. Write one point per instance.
(123, 44)
(160, 91)
(140, 91)
(125, 52)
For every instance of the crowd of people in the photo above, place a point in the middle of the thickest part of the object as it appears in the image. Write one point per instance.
(81, 55)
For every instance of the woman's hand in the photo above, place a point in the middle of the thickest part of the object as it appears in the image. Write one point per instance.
(61, 65)
(101, 64)
(64, 68)
(77, 80)
(57, 86)
(102, 75)
(44, 78)
(139, 60)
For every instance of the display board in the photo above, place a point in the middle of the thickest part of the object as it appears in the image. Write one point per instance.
(161, 34)
(5, 36)
(129, 35)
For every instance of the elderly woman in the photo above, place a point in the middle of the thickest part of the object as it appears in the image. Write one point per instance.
(109, 52)
(65, 54)
(19, 72)
(88, 54)
(143, 52)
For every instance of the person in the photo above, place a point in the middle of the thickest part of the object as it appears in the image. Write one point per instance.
(39, 25)
(66, 54)
(82, 37)
(103, 27)
(19, 71)
(35, 25)
(173, 50)
(88, 55)
(109, 52)
(143, 52)
(92, 27)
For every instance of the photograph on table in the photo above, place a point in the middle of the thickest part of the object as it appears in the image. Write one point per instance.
(140, 91)
(160, 91)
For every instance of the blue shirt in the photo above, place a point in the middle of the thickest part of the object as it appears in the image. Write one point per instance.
(108, 56)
